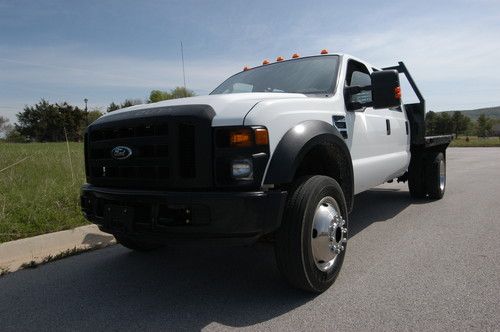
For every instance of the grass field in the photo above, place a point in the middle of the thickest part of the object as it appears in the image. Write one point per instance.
(475, 141)
(40, 193)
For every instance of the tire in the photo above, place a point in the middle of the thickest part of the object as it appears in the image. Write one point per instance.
(435, 175)
(300, 244)
(136, 245)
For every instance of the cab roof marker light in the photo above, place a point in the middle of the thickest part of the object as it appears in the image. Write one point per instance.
(280, 58)
(295, 55)
(324, 51)
(246, 68)
(265, 62)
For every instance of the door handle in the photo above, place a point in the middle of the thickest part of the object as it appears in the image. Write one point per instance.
(388, 126)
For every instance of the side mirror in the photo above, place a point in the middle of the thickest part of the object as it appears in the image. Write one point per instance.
(386, 91)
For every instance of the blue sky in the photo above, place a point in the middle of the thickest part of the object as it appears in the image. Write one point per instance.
(111, 50)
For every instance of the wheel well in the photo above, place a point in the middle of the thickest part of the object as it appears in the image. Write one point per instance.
(329, 160)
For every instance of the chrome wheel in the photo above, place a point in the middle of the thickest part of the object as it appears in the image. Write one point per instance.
(328, 233)
(442, 175)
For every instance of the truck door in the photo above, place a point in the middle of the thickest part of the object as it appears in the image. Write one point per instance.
(377, 138)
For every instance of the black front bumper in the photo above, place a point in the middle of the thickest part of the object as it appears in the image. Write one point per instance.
(160, 216)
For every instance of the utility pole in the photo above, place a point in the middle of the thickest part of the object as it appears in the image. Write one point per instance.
(183, 71)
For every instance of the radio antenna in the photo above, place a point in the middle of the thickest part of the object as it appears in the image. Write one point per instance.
(183, 70)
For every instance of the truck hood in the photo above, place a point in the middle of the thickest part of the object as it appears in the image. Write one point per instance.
(230, 109)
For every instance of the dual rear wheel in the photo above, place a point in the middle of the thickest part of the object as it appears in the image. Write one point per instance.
(427, 179)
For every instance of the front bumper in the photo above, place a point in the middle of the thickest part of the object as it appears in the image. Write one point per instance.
(162, 217)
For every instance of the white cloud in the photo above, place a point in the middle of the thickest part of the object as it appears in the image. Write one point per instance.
(62, 66)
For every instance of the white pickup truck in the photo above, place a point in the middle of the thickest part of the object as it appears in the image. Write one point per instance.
(278, 150)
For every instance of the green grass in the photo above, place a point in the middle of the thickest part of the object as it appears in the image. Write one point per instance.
(39, 194)
(475, 141)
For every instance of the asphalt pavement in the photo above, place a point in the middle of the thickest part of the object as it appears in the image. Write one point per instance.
(432, 265)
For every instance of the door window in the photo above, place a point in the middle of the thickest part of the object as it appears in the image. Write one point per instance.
(358, 75)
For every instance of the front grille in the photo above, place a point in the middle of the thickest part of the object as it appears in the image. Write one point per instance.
(169, 150)
(145, 130)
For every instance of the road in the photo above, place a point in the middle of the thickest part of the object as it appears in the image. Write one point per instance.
(410, 265)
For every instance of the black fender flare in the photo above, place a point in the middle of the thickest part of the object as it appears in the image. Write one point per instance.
(295, 145)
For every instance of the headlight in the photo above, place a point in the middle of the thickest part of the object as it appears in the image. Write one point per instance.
(242, 169)
(241, 154)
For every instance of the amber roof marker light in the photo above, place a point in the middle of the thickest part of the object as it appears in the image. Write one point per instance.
(324, 51)
(295, 55)
(265, 62)
(280, 58)
(246, 68)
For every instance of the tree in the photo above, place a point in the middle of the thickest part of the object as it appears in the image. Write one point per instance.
(430, 123)
(178, 92)
(51, 122)
(127, 103)
(4, 125)
(444, 124)
(460, 123)
(13, 136)
(158, 95)
(484, 126)
(113, 107)
(181, 92)
(94, 115)
(438, 123)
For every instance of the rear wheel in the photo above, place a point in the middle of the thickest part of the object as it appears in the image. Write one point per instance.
(311, 242)
(436, 175)
(136, 244)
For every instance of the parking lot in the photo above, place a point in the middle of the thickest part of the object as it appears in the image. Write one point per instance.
(409, 265)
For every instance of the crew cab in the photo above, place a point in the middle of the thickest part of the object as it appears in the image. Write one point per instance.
(278, 150)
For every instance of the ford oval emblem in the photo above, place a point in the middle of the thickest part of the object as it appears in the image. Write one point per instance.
(121, 152)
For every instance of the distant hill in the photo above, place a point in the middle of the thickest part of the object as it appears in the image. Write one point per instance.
(492, 112)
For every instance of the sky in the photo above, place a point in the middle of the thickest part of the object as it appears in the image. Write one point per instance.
(110, 50)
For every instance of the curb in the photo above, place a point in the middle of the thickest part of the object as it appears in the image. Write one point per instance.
(40, 249)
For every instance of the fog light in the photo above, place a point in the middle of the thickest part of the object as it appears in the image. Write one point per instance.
(242, 169)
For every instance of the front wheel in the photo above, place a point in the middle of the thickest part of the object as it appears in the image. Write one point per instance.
(311, 242)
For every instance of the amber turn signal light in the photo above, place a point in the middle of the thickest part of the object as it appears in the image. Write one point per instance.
(241, 138)
(261, 136)
(397, 92)
(247, 137)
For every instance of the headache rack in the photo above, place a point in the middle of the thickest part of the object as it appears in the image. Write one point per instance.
(416, 115)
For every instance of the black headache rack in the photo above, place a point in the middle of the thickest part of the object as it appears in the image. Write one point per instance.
(416, 116)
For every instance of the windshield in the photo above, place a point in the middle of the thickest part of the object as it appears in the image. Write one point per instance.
(312, 75)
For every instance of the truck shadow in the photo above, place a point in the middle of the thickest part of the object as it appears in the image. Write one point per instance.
(172, 289)
(378, 205)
